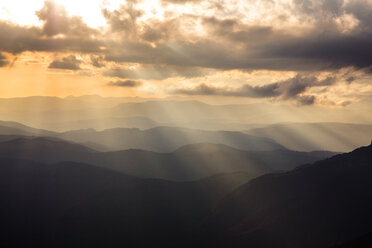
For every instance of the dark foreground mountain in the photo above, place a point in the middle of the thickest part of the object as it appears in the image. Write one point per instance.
(364, 241)
(187, 163)
(316, 205)
(79, 205)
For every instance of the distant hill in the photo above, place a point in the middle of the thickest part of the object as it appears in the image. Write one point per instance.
(79, 205)
(167, 139)
(15, 128)
(186, 163)
(340, 137)
(53, 113)
(317, 205)
(160, 139)
(104, 123)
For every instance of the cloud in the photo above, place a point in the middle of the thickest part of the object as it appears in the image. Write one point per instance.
(155, 72)
(222, 43)
(66, 63)
(97, 61)
(56, 21)
(3, 60)
(182, 1)
(362, 10)
(232, 43)
(305, 100)
(124, 19)
(319, 8)
(59, 32)
(291, 89)
(126, 83)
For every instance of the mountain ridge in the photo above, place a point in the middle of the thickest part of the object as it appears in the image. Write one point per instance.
(188, 163)
(287, 209)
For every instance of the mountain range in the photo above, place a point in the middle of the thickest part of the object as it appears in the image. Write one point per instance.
(330, 136)
(78, 205)
(186, 163)
(63, 114)
(160, 139)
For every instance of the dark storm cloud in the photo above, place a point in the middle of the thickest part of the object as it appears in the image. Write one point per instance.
(319, 7)
(291, 89)
(67, 63)
(320, 49)
(17, 39)
(3, 60)
(231, 44)
(331, 50)
(226, 44)
(126, 83)
(362, 10)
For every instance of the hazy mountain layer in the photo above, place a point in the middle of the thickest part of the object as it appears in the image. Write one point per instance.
(167, 139)
(341, 137)
(59, 114)
(161, 139)
(187, 163)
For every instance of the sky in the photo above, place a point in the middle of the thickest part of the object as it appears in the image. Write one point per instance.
(299, 52)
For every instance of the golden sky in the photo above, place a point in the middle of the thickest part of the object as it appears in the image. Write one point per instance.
(302, 52)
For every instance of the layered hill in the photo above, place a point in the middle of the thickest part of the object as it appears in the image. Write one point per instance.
(341, 137)
(167, 139)
(160, 139)
(186, 163)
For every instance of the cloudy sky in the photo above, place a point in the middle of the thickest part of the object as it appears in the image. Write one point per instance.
(301, 52)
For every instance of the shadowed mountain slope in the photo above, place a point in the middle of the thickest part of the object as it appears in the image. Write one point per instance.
(79, 205)
(316, 205)
(364, 241)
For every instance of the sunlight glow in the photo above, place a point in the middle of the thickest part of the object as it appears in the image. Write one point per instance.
(89, 10)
